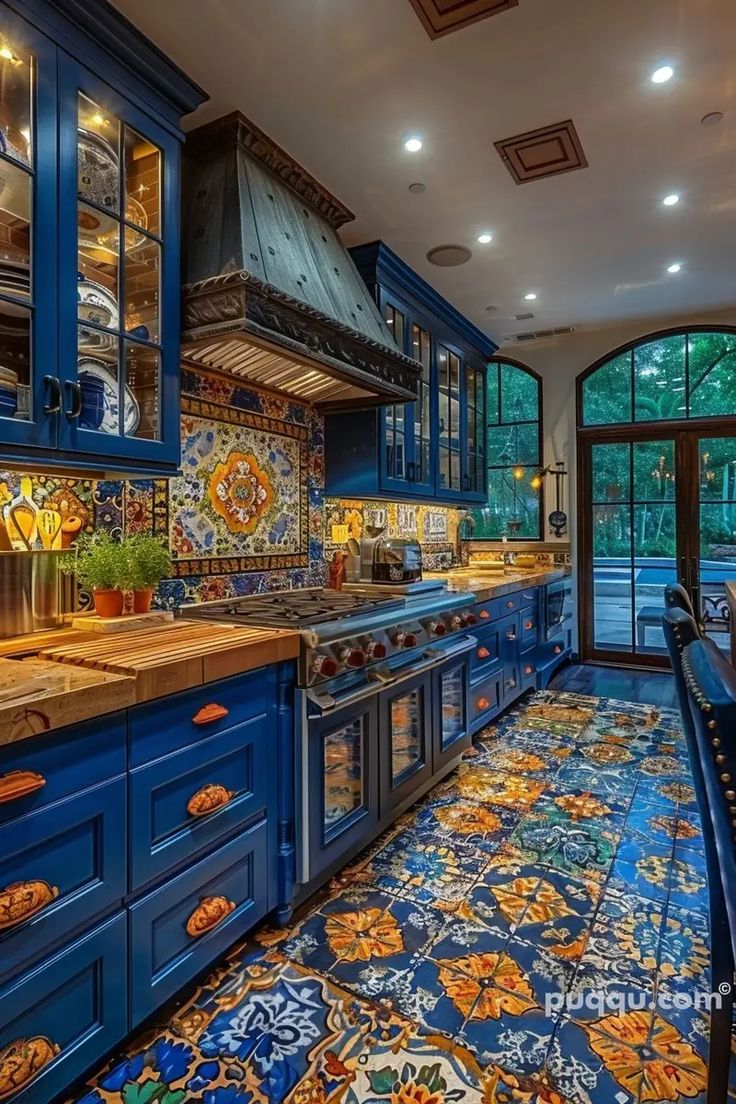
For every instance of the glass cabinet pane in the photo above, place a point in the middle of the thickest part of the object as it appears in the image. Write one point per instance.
(453, 706)
(142, 182)
(422, 351)
(406, 733)
(17, 160)
(98, 162)
(343, 763)
(143, 387)
(142, 290)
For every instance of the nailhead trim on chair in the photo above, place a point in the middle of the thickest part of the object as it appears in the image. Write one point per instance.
(706, 707)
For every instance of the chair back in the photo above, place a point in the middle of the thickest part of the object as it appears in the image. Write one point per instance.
(711, 687)
(676, 597)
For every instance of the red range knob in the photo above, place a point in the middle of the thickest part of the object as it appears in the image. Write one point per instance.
(325, 666)
(438, 628)
(410, 640)
(398, 639)
(456, 622)
(356, 657)
(376, 650)
(470, 619)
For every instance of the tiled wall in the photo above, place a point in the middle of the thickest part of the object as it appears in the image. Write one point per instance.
(238, 445)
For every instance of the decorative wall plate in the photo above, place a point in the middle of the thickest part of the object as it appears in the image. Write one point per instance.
(111, 418)
(96, 304)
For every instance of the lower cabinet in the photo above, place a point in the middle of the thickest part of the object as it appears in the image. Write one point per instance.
(59, 1018)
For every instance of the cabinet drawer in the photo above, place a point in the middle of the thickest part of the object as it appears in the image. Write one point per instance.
(73, 856)
(166, 725)
(163, 953)
(163, 832)
(485, 699)
(72, 1008)
(42, 769)
(486, 653)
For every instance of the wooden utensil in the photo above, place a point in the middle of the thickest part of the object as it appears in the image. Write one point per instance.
(49, 529)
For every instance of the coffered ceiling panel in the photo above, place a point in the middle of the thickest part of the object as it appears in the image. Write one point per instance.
(441, 17)
(544, 152)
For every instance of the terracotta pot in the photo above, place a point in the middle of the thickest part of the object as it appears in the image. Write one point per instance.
(108, 603)
(142, 600)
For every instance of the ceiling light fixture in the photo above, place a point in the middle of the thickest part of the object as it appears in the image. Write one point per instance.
(530, 296)
(413, 144)
(712, 118)
(674, 268)
(671, 200)
(485, 237)
(663, 74)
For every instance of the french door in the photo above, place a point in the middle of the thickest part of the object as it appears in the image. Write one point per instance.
(657, 506)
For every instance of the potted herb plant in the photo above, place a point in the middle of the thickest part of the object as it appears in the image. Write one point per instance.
(148, 562)
(99, 563)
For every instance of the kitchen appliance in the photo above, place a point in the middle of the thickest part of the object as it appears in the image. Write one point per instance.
(396, 561)
(557, 606)
(34, 594)
(372, 672)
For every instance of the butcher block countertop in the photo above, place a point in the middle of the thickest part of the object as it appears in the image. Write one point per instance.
(494, 584)
(37, 696)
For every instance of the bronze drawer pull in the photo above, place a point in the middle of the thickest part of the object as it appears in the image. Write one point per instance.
(484, 615)
(510, 604)
(19, 783)
(483, 653)
(528, 670)
(483, 703)
(210, 912)
(211, 797)
(208, 714)
(528, 624)
(21, 900)
(21, 1060)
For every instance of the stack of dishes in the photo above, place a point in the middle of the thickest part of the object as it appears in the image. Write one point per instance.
(15, 278)
(8, 392)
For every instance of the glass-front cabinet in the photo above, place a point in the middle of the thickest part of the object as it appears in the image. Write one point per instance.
(433, 448)
(405, 726)
(451, 733)
(89, 256)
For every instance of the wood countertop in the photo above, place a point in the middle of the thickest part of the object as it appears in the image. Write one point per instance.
(37, 696)
(178, 656)
(494, 584)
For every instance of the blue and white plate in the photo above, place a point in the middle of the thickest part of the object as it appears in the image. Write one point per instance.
(111, 417)
(96, 304)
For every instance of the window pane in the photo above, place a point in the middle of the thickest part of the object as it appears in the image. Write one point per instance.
(611, 473)
(98, 163)
(493, 394)
(513, 507)
(142, 182)
(612, 577)
(607, 393)
(142, 281)
(654, 471)
(15, 231)
(143, 391)
(513, 444)
(712, 374)
(718, 468)
(16, 80)
(655, 563)
(15, 361)
(519, 395)
(659, 379)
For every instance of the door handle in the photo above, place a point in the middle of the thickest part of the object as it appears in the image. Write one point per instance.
(683, 572)
(695, 585)
(76, 394)
(53, 406)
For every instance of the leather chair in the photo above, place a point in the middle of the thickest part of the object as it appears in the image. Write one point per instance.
(676, 597)
(710, 681)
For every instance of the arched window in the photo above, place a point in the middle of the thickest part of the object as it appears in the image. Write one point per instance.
(668, 376)
(514, 449)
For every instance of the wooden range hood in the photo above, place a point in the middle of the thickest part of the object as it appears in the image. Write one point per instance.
(271, 294)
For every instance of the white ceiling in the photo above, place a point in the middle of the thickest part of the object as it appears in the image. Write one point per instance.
(341, 83)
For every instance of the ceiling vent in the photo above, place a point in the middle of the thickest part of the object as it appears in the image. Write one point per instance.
(539, 335)
(449, 256)
(523, 317)
(540, 153)
(441, 17)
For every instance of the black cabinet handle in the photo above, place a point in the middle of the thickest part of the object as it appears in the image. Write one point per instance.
(466, 483)
(53, 406)
(76, 393)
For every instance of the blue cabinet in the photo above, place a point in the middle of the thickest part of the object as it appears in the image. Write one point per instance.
(89, 241)
(434, 448)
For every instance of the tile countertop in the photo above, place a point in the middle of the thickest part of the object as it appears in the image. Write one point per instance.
(494, 584)
(37, 696)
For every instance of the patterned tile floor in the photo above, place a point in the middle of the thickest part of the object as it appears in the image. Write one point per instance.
(563, 859)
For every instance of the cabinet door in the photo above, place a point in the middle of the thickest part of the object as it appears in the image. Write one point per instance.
(473, 406)
(406, 740)
(29, 386)
(451, 732)
(509, 636)
(343, 783)
(119, 275)
(405, 428)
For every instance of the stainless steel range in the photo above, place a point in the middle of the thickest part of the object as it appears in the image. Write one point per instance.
(381, 707)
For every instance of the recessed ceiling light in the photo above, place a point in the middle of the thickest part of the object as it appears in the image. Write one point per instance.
(663, 74)
(673, 268)
(413, 144)
(671, 200)
(485, 237)
(530, 296)
(712, 118)
(417, 188)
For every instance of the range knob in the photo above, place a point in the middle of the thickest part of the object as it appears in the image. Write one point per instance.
(410, 640)
(469, 619)
(398, 639)
(456, 622)
(438, 628)
(376, 650)
(353, 657)
(325, 666)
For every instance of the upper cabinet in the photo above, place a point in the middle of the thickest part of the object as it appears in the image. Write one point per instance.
(89, 257)
(433, 448)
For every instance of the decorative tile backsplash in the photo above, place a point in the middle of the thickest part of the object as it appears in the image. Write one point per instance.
(248, 512)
